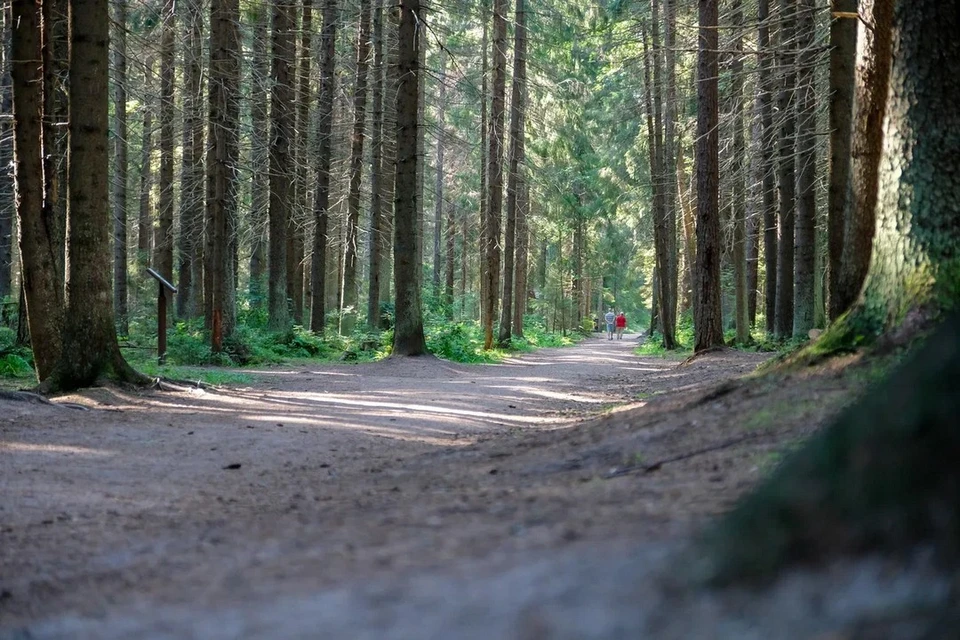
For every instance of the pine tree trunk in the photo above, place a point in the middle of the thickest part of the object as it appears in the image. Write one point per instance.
(915, 263)
(768, 188)
(321, 201)
(518, 104)
(43, 294)
(484, 160)
(7, 200)
(408, 338)
(119, 190)
(390, 45)
(297, 220)
(688, 223)
(260, 154)
(450, 259)
(707, 316)
(786, 173)
(145, 214)
(90, 348)
(163, 238)
(376, 171)
(281, 170)
(738, 175)
(669, 162)
(843, 57)
(495, 168)
(523, 244)
(438, 203)
(55, 74)
(873, 79)
(348, 304)
(191, 285)
(222, 161)
(805, 242)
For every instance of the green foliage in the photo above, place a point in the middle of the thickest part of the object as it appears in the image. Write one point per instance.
(15, 362)
(460, 342)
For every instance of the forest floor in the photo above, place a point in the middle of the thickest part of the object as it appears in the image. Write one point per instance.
(537, 498)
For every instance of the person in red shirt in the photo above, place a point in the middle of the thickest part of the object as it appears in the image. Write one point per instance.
(621, 325)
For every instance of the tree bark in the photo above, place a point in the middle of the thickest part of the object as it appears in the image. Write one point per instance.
(321, 201)
(119, 190)
(222, 161)
(515, 179)
(163, 235)
(145, 215)
(768, 166)
(805, 241)
(90, 348)
(438, 182)
(260, 154)
(348, 305)
(843, 57)
(707, 315)
(484, 160)
(786, 174)
(43, 294)
(408, 338)
(281, 169)
(523, 244)
(376, 172)
(297, 219)
(7, 197)
(495, 169)
(873, 79)
(669, 162)
(738, 176)
(190, 284)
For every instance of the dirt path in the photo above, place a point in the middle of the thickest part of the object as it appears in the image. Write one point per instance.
(322, 477)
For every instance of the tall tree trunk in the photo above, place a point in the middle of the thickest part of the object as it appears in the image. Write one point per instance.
(390, 44)
(321, 201)
(767, 166)
(668, 162)
(43, 293)
(843, 58)
(222, 160)
(348, 305)
(873, 78)
(707, 315)
(484, 160)
(495, 169)
(688, 223)
(376, 171)
(449, 274)
(163, 238)
(297, 220)
(515, 179)
(281, 172)
(783, 325)
(145, 215)
(806, 250)
(90, 348)
(408, 338)
(119, 190)
(438, 183)
(260, 153)
(55, 73)
(7, 199)
(191, 285)
(916, 250)
(738, 175)
(523, 244)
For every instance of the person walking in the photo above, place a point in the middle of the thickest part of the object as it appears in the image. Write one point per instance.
(610, 318)
(621, 323)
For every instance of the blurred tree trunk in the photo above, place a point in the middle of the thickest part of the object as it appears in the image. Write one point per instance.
(145, 217)
(7, 199)
(786, 173)
(190, 284)
(768, 166)
(163, 234)
(806, 238)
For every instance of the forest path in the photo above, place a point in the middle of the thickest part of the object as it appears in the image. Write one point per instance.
(173, 514)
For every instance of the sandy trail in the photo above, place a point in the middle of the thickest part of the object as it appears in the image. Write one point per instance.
(170, 514)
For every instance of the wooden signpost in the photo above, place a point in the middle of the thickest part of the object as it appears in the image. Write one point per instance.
(162, 288)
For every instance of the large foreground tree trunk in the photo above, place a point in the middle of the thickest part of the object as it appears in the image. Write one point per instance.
(408, 338)
(119, 190)
(90, 348)
(494, 193)
(885, 474)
